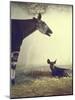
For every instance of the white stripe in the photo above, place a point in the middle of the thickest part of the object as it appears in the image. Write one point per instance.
(13, 63)
(12, 74)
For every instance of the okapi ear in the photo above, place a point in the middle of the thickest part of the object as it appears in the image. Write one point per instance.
(39, 16)
(54, 62)
(48, 61)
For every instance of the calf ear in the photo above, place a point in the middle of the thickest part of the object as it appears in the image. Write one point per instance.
(54, 62)
(39, 16)
(48, 61)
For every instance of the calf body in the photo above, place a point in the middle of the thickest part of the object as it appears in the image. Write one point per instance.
(59, 72)
(56, 71)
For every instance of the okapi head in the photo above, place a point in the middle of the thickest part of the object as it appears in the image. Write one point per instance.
(42, 26)
(51, 63)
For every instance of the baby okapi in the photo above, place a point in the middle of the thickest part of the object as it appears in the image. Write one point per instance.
(56, 71)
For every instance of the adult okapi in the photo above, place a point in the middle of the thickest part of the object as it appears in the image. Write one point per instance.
(20, 29)
(56, 71)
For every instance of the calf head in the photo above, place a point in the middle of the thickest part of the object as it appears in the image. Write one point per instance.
(51, 63)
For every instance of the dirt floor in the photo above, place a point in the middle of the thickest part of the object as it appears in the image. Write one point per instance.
(43, 85)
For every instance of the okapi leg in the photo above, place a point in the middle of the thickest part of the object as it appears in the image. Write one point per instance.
(14, 58)
(13, 69)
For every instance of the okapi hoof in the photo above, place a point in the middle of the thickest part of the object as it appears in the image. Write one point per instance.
(13, 81)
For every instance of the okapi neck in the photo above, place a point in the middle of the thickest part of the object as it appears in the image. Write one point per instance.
(51, 67)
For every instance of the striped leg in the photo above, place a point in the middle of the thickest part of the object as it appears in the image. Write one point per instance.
(14, 57)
